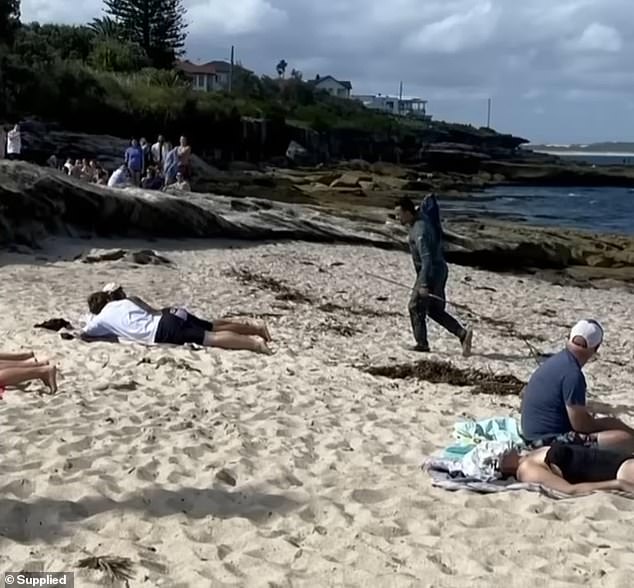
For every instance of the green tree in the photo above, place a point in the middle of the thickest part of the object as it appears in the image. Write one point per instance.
(9, 19)
(105, 27)
(158, 26)
(41, 45)
(281, 67)
(110, 54)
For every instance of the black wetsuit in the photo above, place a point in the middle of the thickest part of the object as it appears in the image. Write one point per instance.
(431, 272)
(579, 464)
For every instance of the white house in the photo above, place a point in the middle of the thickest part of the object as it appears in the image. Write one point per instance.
(397, 106)
(207, 77)
(339, 88)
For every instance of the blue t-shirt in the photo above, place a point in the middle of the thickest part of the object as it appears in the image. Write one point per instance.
(134, 158)
(558, 382)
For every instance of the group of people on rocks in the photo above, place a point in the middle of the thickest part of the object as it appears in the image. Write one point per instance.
(82, 169)
(155, 166)
(152, 167)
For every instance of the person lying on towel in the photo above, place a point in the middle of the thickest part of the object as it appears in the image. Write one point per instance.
(571, 469)
(115, 316)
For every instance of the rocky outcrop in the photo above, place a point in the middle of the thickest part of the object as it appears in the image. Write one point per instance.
(36, 202)
(560, 174)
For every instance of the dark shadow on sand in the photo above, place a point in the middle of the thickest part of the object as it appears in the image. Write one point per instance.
(47, 519)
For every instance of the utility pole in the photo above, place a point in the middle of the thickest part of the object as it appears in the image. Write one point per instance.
(231, 70)
(400, 97)
(489, 114)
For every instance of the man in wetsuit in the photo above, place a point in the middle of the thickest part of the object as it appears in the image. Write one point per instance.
(428, 294)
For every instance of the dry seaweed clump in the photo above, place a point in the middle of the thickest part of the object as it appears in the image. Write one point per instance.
(113, 568)
(440, 372)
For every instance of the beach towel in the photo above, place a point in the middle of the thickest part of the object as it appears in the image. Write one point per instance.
(441, 478)
(468, 434)
(492, 429)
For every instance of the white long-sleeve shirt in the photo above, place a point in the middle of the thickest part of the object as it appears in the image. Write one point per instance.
(126, 320)
(14, 142)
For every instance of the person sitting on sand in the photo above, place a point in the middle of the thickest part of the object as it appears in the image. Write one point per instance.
(554, 400)
(16, 368)
(117, 316)
(571, 469)
(428, 294)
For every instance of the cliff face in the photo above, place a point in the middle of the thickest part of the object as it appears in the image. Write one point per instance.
(37, 202)
(259, 140)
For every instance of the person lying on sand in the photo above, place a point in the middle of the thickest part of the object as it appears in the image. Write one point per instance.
(16, 368)
(554, 400)
(571, 469)
(132, 319)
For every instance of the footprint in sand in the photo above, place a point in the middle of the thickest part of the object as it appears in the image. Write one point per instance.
(367, 496)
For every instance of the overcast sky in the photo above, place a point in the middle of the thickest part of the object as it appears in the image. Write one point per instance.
(557, 70)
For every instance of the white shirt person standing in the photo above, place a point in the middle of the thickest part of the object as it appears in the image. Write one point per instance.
(14, 143)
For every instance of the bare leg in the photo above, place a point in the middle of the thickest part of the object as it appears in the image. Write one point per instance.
(5, 363)
(222, 325)
(17, 356)
(233, 340)
(17, 375)
(616, 440)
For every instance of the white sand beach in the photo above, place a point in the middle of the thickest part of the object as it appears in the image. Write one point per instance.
(326, 458)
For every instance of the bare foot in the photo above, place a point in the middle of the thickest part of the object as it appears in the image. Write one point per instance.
(36, 363)
(262, 347)
(51, 379)
(264, 333)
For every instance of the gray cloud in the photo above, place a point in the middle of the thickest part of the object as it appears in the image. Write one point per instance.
(557, 71)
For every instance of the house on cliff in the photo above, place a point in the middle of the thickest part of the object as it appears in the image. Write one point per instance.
(212, 76)
(414, 107)
(338, 88)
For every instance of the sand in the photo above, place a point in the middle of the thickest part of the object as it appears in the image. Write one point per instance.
(326, 458)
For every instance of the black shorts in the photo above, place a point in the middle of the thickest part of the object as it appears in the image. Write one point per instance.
(178, 331)
(571, 438)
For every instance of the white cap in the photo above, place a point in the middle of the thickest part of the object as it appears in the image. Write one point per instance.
(111, 287)
(590, 330)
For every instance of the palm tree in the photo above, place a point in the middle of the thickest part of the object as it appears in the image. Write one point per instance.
(281, 68)
(105, 27)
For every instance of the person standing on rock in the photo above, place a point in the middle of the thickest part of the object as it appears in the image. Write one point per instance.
(184, 158)
(14, 143)
(160, 150)
(134, 161)
(3, 142)
(428, 294)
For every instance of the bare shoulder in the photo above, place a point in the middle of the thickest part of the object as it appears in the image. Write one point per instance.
(532, 464)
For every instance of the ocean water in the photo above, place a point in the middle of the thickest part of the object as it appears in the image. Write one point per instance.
(603, 210)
